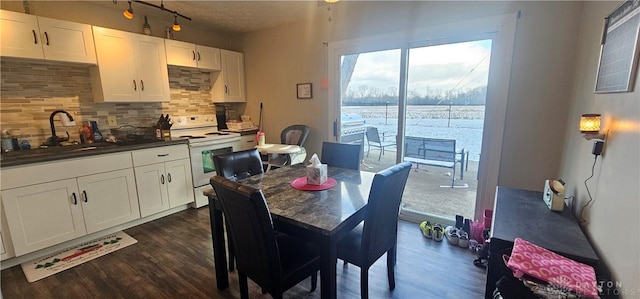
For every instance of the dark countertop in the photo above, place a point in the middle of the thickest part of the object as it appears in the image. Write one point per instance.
(37, 155)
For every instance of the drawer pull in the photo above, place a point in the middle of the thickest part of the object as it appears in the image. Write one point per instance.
(163, 155)
(75, 198)
(86, 198)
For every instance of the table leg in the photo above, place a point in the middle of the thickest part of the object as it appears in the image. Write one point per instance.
(328, 260)
(462, 155)
(219, 252)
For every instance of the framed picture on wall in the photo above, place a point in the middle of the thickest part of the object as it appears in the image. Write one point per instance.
(304, 90)
(619, 49)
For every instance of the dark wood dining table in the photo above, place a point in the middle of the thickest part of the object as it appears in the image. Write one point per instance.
(323, 217)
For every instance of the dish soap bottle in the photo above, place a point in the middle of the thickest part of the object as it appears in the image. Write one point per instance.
(97, 136)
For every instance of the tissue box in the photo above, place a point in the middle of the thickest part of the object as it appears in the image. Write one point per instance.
(316, 175)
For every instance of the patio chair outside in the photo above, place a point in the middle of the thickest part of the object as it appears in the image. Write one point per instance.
(373, 139)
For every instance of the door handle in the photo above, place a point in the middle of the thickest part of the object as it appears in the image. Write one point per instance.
(46, 37)
(198, 56)
(225, 89)
(169, 177)
(142, 83)
(162, 179)
(86, 198)
(75, 198)
(162, 155)
(135, 86)
(194, 55)
(35, 37)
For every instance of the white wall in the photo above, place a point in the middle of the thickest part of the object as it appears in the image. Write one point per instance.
(613, 224)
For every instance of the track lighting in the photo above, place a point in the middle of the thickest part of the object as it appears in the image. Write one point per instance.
(176, 26)
(128, 13)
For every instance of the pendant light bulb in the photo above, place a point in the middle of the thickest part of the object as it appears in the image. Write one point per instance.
(128, 13)
(176, 26)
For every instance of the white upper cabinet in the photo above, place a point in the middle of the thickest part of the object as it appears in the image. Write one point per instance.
(192, 55)
(28, 36)
(131, 67)
(229, 83)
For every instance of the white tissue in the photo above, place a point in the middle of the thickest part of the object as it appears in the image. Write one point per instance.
(316, 172)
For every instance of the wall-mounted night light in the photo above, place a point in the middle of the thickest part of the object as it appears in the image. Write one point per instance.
(590, 129)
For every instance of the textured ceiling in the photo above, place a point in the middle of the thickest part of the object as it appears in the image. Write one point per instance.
(233, 17)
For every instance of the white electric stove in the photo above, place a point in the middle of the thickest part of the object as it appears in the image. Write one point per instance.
(205, 141)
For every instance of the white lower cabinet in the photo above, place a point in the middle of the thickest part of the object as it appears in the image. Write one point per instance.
(47, 214)
(163, 178)
(108, 199)
(247, 142)
(51, 203)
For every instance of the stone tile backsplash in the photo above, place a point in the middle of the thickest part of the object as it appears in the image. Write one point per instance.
(30, 90)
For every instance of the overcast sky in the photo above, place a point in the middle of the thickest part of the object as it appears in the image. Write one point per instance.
(435, 68)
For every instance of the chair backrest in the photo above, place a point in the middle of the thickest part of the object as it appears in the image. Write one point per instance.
(341, 155)
(251, 229)
(238, 165)
(414, 147)
(373, 135)
(381, 222)
(294, 134)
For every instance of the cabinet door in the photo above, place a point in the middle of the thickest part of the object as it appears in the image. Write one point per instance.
(151, 182)
(233, 73)
(67, 41)
(180, 186)
(208, 58)
(116, 67)
(43, 215)
(151, 64)
(180, 53)
(19, 35)
(108, 199)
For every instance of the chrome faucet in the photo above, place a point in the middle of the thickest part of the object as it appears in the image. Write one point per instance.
(54, 138)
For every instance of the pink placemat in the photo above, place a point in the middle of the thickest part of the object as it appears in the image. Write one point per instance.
(301, 184)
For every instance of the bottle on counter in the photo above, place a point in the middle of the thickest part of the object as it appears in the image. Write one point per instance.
(97, 136)
(86, 134)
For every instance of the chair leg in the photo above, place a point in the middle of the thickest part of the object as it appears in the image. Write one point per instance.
(314, 281)
(364, 282)
(230, 247)
(390, 267)
(380, 154)
(244, 287)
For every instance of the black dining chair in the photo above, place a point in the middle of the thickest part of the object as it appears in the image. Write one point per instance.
(341, 155)
(236, 166)
(274, 261)
(373, 140)
(367, 243)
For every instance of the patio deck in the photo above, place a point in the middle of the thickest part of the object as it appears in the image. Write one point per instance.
(424, 193)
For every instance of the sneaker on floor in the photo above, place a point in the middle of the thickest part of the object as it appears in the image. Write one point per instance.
(438, 232)
(427, 229)
(451, 233)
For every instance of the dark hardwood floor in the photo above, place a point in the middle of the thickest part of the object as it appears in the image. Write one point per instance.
(173, 258)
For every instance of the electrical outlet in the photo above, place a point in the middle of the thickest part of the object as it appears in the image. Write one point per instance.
(111, 119)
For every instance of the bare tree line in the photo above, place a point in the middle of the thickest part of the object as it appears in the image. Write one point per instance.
(372, 96)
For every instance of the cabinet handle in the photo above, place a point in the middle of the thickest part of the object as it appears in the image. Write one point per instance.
(35, 37)
(162, 179)
(142, 84)
(75, 198)
(198, 56)
(135, 86)
(86, 198)
(46, 37)
(225, 89)
(193, 53)
(163, 155)
(169, 177)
